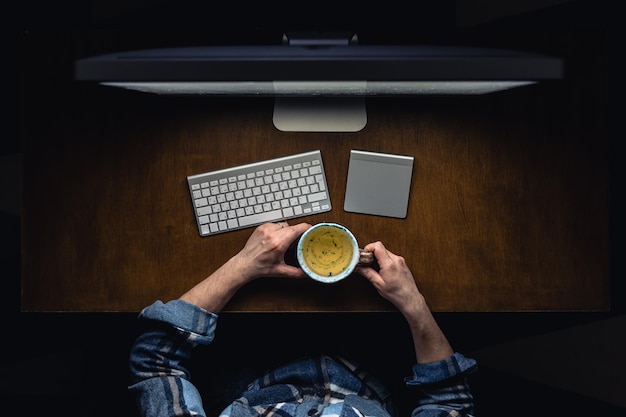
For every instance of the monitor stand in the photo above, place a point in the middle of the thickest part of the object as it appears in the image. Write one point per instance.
(320, 114)
(316, 113)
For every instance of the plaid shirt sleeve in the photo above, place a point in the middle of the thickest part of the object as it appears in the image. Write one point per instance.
(442, 387)
(159, 376)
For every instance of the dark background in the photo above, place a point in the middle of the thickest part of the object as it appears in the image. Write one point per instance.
(566, 363)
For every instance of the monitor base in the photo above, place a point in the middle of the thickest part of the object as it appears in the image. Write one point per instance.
(319, 114)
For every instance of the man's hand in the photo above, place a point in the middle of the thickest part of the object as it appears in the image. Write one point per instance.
(264, 253)
(394, 281)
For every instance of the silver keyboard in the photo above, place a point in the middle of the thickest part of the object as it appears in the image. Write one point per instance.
(266, 191)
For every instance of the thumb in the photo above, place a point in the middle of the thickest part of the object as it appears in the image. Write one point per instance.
(289, 271)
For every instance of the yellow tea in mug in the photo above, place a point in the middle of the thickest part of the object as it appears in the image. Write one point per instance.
(327, 251)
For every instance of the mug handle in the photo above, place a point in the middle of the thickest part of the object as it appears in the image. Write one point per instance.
(366, 258)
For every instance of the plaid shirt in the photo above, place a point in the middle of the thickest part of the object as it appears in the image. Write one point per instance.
(320, 386)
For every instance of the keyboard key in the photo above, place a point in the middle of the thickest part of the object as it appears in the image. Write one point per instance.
(202, 211)
(315, 170)
(317, 197)
(268, 216)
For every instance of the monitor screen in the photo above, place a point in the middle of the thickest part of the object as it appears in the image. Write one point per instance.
(317, 88)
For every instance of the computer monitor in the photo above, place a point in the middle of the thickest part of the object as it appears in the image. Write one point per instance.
(319, 82)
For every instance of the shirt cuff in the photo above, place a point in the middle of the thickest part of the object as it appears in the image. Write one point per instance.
(184, 316)
(431, 373)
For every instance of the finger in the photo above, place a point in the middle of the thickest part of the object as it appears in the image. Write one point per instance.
(375, 246)
(295, 231)
(289, 271)
(370, 274)
(281, 225)
(289, 234)
(381, 253)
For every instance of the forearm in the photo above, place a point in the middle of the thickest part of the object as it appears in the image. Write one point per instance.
(439, 372)
(215, 291)
(429, 341)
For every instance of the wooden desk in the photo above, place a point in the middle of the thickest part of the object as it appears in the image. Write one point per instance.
(508, 208)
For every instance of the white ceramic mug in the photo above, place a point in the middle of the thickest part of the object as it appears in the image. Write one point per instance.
(329, 252)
